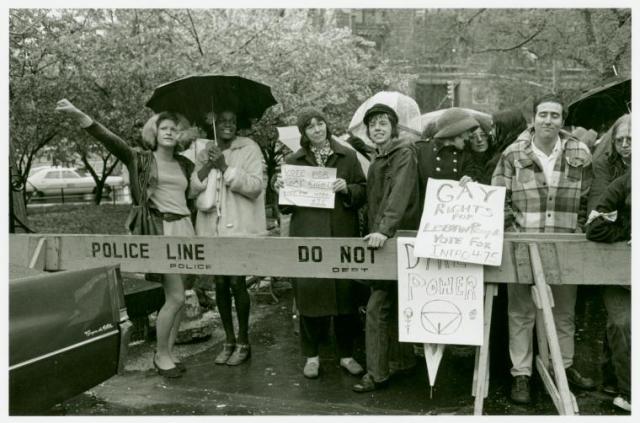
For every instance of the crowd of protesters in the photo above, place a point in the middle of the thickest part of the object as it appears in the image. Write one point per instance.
(553, 184)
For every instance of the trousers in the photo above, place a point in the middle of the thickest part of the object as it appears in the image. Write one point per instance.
(313, 330)
(521, 313)
(617, 301)
(385, 353)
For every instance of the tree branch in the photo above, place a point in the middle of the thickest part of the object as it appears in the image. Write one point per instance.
(588, 25)
(515, 47)
(195, 33)
(112, 167)
(621, 16)
(103, 90)
(478, 13)
(253, 37)
(246, 43)
(580, 61)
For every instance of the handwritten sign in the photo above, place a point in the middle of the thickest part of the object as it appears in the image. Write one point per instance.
(308, 186)
(462, 223)
(439, 301)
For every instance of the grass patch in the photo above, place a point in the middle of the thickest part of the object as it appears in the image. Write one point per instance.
(79, 219)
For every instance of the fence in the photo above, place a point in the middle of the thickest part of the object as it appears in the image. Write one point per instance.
(538, 260)
(113, 195)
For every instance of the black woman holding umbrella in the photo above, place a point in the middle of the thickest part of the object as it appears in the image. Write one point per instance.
(228, 181)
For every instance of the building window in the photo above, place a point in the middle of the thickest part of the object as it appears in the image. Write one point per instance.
(480, 95)
(358, 16)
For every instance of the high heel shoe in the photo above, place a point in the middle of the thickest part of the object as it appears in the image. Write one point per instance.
(178, 364)
(171, 373)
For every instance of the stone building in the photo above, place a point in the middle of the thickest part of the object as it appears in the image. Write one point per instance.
(481, 82)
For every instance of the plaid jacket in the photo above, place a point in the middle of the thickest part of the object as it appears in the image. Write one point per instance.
(532, 203)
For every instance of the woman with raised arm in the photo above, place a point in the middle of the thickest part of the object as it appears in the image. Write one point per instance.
(159, 187)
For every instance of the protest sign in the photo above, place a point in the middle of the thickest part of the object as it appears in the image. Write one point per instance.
(432, 357)
(439, 301)
(462, 223)
(308, 186)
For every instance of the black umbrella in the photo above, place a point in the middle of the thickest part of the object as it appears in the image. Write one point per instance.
(196, 95)
(601, 105)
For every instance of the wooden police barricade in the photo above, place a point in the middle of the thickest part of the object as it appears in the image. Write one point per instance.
(539, 260)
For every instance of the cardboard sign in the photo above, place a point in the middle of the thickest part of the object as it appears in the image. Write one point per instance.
(439, 302)
(308, 186)
(462, 223)
(432, 357)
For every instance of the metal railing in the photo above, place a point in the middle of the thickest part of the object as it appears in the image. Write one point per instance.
(111, 195)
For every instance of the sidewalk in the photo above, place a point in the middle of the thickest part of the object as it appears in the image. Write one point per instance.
(271, 382)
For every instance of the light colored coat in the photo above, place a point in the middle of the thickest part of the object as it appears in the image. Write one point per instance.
(241, 210)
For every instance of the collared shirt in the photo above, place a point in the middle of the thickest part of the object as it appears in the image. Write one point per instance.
(535, 203)
(548, 162)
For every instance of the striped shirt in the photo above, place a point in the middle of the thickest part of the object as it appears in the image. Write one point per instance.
(534, 203)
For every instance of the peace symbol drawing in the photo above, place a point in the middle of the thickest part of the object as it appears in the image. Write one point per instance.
(440, 317)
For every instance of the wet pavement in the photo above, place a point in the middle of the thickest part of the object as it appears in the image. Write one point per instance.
(271, 382)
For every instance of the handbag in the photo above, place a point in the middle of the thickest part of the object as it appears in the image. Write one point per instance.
(141, 221)
(207, 200)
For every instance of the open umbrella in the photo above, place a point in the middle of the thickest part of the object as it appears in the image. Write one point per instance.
(405, 107)
(290, 136)
(196, 95)
(600, 105)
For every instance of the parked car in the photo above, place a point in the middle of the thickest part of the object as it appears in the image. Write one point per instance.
(49, 180)
(68, 332)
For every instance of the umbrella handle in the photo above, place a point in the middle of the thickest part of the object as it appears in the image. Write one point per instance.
(213, 122)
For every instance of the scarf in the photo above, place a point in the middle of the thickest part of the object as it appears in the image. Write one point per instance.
(321, 153)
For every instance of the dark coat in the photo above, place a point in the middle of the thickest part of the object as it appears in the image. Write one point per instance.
(442, 163)
(482, 165)
(617, 197)
(329, 297)
(607, 166)
(392, 190)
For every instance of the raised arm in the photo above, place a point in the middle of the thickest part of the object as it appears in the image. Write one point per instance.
(112, 142)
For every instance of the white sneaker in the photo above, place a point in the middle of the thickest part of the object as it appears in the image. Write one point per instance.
(311, 368)
(352, 366)
(621, 402)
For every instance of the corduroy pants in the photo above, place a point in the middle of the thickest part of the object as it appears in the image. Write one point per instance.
(522, 315)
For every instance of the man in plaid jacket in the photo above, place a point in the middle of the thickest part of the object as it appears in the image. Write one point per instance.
(547, 174)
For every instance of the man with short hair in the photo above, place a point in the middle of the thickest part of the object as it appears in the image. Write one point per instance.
(547, 174)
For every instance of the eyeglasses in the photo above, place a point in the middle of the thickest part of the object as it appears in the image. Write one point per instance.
(621, 140)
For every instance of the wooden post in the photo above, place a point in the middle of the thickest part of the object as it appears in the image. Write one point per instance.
(564, 402)
(38, 258)
(480, 388)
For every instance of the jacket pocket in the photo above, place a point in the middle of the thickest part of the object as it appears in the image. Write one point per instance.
(524, 171)
(574, 173)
